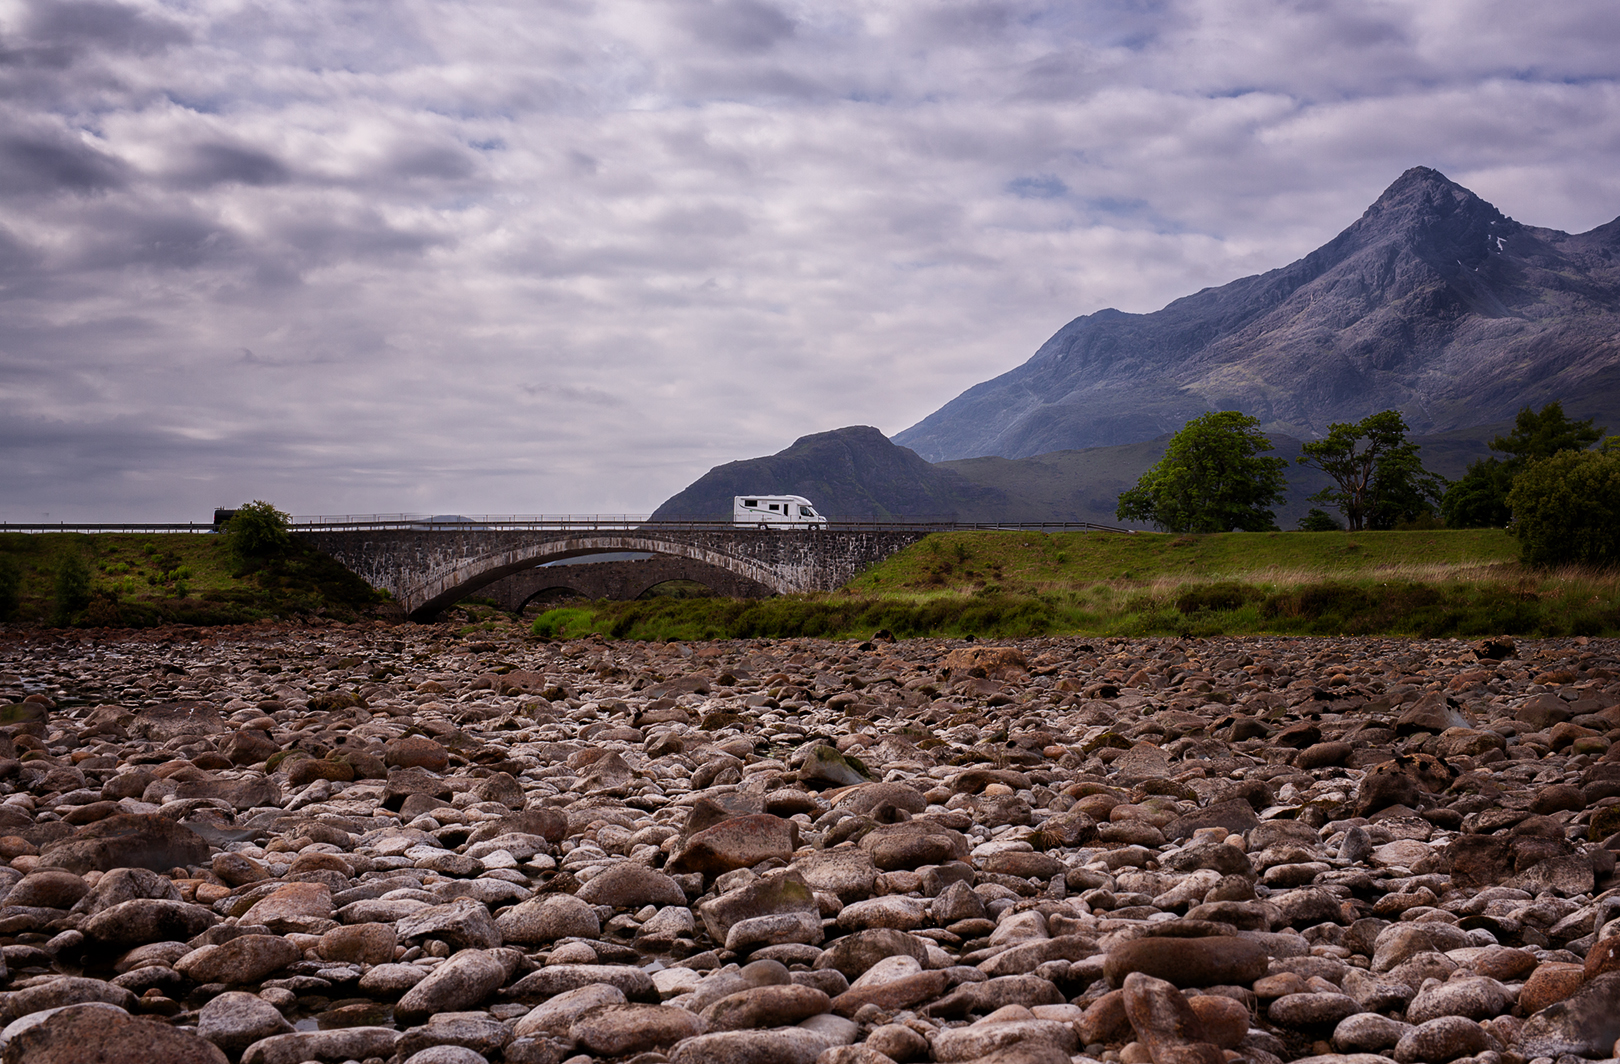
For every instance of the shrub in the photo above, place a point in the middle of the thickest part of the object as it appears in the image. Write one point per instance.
(554, 624)
(10, 587)
(1320, 521)
(258, 530)
(1211, 597)
(72, 589)
(103, 610)
(1566, 509)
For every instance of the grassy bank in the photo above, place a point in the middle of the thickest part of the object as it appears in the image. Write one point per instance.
(142, 580)
(1004, 585)
(1029, 562)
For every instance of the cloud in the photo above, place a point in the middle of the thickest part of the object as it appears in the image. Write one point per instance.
(34, 164)
(109, 28)
(565, 255)
(212, 164)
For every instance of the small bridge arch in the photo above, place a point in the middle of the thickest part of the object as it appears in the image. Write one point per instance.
(618, 580)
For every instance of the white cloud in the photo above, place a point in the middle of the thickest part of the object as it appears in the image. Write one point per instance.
(565, 256)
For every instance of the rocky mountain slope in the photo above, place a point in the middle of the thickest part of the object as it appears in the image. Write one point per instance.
(1433, 303)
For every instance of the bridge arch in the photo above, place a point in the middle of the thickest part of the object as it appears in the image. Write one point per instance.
(618, 580)
(467, 575)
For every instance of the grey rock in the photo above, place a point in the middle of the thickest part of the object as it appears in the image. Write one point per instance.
(329, 1047)
(235, 1020)
(466, 979)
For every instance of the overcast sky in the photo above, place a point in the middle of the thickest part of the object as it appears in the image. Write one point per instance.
(555, 256)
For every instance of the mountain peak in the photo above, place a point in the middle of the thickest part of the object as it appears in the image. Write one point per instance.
(1423, 197)
(1421, 177)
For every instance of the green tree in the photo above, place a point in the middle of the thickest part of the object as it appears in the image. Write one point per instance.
(72, 589)
(1212, 478)
(1320, 521)
(10, 587)
(1546, 433)
(1379, 481)
(1566, 509)
(258, 530)
(1479, 499)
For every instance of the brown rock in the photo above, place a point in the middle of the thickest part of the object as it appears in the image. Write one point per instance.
(249, 746)
(1551, 982)
(51, 888)
(1586, 1024)
(128, 840)
(913, 844)
(1218, 961)
(73, 1034)
(246, 959)
(766, 1006)
(740, 842)
(1104, 1020)
(1602, 958)
(416, 751)
(1225, 1021)
(358, 944)
(1166, 1024)
(620, 1030)
(902, 993)
(293, 907)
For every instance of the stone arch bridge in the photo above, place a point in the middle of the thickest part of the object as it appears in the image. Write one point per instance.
(427, 566)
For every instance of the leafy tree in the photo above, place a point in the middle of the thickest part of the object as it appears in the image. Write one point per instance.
(72, 589)
(10, 587)
(1566, 509)
(1212, 478)
(1379, 480)
(1320, 521)
(1479, 499)
(1544, 434)
(258, 530)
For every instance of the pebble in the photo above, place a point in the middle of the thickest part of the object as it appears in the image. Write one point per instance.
(442, 849)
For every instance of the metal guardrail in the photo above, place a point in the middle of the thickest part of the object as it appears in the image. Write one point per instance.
(115, 526)
(573, 522)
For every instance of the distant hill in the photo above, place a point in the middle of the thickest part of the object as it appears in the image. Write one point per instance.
(850, 472)
(1433, 303)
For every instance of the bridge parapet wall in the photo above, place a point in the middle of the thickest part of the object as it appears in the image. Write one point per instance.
(428, 569)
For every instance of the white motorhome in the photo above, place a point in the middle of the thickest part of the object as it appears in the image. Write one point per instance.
(775, 511)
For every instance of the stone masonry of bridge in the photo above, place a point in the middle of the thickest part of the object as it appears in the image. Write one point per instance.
(619, 581)
(428, 569)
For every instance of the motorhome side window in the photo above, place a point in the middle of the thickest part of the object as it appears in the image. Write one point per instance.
(773, 508)
(750, 502)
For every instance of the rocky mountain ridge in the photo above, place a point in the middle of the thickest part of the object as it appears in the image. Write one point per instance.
(1433, 303)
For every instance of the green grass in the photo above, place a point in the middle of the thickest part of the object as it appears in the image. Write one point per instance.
(142, 580)
(1014, 584)
(1027, 562)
